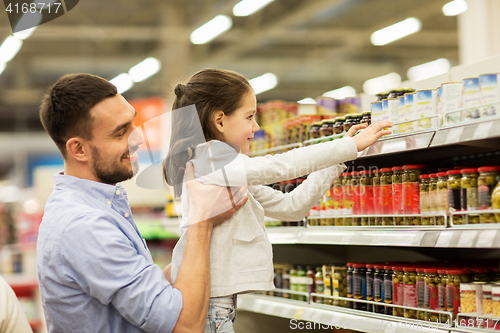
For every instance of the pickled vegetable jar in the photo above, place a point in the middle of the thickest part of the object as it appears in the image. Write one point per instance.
(410, 296)
(339, 284)
(338, 126)
(355, 192)
(454, 197)
(327, 127)
(424, 199)
(315, 130)
(420, 291)
(370, 275)
(338, 200)
(442, 278)
(398, 290)
(468, 197)
(397, 189)
(411, 190)
(455, 278)
(378, 288)
(386, 191)
(432, 196)
(388, 273)
(442, 196)
(366, 192)
(485, 184)
(377, 195)
(347, 194)
(431, 301)
(349, 283)
(359, 285)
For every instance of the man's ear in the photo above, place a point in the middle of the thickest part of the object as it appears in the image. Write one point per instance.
(219, 118)
(76, 150)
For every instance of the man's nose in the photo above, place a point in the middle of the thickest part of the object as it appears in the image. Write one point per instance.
(136, 138)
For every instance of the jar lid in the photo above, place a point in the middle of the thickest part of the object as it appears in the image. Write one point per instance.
(359, 265)
(354, 173)
(388, 267)
(433, 175)
(409, 269)
(420, 269)
(477, 270)
(442, 270)
(379, 266)
(376, 170)
(467, 287)
(386, 169)
(365, 172)
(397, 268)
(487, 287)
(430, 270)
(300, 180)
(413, 166)
(396, 168)
(489, 168)
(471, 170)
(425, 176)
(342, 174)
(349, 264)
(347, 174)
(456, 271)
(442, 174)
(370, 265)
(454, 172)
(495, 290)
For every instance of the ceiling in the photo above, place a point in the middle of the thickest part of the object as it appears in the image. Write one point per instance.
(312, 46)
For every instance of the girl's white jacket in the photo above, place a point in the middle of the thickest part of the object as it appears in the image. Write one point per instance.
(241, 257)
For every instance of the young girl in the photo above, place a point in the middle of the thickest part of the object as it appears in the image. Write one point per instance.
(240, 252)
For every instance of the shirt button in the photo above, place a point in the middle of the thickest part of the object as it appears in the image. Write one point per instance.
(118, 192)
(108, 202)
(127, 214)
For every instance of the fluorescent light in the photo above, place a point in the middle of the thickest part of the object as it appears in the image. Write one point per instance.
(145, 69)
(382, 83)
(307, 100)
(396, 31)
(429, 69)
(455, 7)
(27, 24)
(264, 83)
(9, 48)
(2, 67)
(341, 93)
(248, 7)
(122, 82)
(210, 30)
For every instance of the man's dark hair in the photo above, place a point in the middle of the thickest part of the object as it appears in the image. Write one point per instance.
(65, 108)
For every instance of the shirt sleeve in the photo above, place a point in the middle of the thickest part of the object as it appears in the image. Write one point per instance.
(295, 205)
(225, 167)
(105, 263)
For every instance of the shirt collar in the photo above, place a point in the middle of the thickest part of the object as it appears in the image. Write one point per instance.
(99, 191)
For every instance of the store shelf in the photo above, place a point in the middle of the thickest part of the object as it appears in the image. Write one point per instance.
(484, 128)
(330, 316)
(399, 143)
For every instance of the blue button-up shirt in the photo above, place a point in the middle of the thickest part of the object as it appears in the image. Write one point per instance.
(95, 271)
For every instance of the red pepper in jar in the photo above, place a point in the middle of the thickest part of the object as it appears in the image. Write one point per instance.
(366, 192)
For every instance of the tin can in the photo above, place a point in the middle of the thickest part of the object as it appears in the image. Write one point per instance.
(495, 296)
(377, 111)
(467, 298)
(401, 114)
(490, 93)
(471, 98)
(440, 106)
(426, 107)
(452, 101)
(410, 111)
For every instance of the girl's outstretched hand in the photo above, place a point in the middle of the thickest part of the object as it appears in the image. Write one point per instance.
(370, 134)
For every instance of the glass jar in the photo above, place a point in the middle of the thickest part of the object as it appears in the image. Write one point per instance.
(442, 196)
(487, 302)
(454, 195)
(468, 197)
(398, 290)
(478, 274)
(442, 278)
(286, 281)
(356, 197)
(377, 195)
(348, 197)
(294, 282)
(310, 279)
(432, 196)
(420, 291)
(319, 285)
(302, 283)
(366, 192)
(397, 190)
(349, 122)
(425, 199)
(378, 288)
(359, 285)
(370, 276)
(349, 283)
(431, 301)
(495, 297)
(455, 278)
(339, 284)
(386, 199)
(338, 126)
(338, 200)
(367, 118)
(388, 272)
(326, 127)
(410, 295)
(315, 130)
(495, 199)
(395, 93)
(485, 184)
(278, 279)
(411, 190)
(327, 284)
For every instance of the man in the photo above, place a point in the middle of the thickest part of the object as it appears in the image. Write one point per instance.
(94, 269)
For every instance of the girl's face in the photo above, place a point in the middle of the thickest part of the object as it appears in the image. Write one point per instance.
(239, 127)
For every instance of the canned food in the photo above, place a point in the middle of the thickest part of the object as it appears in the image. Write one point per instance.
(468, 298)
(426, 107)
(452, 101)
(376, 111)
(471, 98)
(410, 110)
(490, 93)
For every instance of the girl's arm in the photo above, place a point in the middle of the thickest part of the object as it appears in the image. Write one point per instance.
(295, 205)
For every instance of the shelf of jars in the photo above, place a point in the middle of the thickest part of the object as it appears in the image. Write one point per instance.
(312, 309)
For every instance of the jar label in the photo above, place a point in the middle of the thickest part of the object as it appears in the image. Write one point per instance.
(356, 206)
(337, 195)
(388, 291)
(377, 199)
(349, 285)
(366, 201)
(431, 298)
(359, 287)
(398, 293)
(421, 293)
(386, 199)
(397, 194)
(469, 198)
(454, 199)
(378, 290)
(369, 288)
(410, 295)
(453, 298)
(424, 201)
(320, 286)
(442, 200)
(484, 196)
(442, 297)
(411, 198)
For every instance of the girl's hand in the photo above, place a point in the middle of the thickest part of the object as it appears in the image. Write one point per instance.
(370, 134)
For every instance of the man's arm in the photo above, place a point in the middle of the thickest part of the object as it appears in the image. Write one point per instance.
(195, 266)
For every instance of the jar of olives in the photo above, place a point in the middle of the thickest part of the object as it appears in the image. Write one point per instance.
(468, 197)
(359, 285)
(339, 284)
(349, 283)
(442, 196)
(388, 273)
(410, 291)
(432, 196)
(397, 189)
(485, 184)
(319, 284)
(347, 194)
(398, 290)
(378, 288)
(454, 195)
(370, 275)
(315, 130)
(366, 118)
(442, 278)
(420, 291)
(386, 192)
(366, 192)
(431, 301)
(455, 277)
(327, 284)
(425, 199)
(495, 199)
(411, 188)
(326, 127)
(478, 274)
(338, 126)
(355, 193)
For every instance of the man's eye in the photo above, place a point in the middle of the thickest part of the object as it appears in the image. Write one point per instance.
(250, 117)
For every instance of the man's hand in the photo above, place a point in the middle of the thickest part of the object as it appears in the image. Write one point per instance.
(370, 134)
(211, 202)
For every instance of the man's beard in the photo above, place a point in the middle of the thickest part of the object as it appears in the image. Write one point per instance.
(111, 174)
